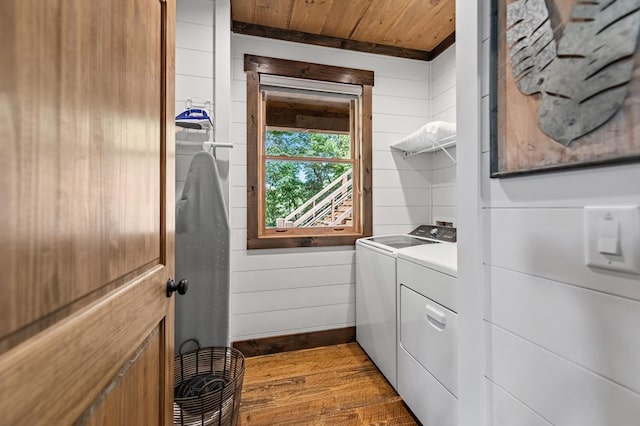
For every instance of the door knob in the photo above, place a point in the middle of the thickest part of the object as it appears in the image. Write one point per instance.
(181, 287)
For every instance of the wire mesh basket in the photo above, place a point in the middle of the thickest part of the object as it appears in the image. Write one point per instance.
(208, 384)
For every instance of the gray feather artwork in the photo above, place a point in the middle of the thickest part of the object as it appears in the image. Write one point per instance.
(531, 44)
(584, 78)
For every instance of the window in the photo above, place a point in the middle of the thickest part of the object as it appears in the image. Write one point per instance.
(308, 153)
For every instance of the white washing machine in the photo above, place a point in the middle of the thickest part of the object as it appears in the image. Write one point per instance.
(428, 332)
(376, 315)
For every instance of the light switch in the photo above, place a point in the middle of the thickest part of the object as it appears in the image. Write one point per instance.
(609, 236)
(612, 238)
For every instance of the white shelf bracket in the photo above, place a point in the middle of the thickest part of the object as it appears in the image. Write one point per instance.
(442, 145)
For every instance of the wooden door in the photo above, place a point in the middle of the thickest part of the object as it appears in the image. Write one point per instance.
(87, 211)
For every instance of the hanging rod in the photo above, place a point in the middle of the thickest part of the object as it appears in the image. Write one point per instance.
(205, 145)
(217, 145)
(441, 145)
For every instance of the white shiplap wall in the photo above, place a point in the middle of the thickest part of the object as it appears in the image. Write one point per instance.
(443, 86)
(284, 291)
(194, 68)
(442, 171)
(562, 339)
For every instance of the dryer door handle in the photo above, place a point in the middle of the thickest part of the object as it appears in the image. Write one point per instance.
(436, 318)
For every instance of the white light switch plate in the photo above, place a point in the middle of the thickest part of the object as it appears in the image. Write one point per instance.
(609, 230)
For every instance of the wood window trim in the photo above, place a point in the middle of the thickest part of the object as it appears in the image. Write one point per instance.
(256, 65)
(309, 71)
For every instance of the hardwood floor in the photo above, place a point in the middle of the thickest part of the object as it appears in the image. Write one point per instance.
(331, 385)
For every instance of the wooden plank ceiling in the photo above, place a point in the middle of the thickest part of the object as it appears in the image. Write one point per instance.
(416, 29)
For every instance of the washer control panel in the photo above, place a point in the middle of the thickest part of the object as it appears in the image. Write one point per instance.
(440, 233)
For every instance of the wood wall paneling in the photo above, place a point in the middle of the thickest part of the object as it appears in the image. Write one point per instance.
(187, 86)
(443, 195)
(564, 190)
(391, 197)
(550, 245)
(290, 321)
(444, 45)
(194, 71)
(385, 160)
(401, 89)
(444, 101)
(382, 65)
(194, 63)
(194, 36)
(293, 298)
(390, 104)
(485, 132)
(389, 215)
(594, 329)
(285, 259)
(387, 123)
(390, 178)
(442, 171)
(567, 368)
(199, 12)
(278, 279)
(558, 390)
(443, 83)
(444, 63)
(194, 68)
(506, 410)
(447, 115)
(471, 338)
(439, 161)
(445, 175)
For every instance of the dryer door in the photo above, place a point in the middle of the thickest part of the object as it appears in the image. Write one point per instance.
(428, 331)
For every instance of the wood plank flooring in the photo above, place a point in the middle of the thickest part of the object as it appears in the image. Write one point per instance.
(331, 385)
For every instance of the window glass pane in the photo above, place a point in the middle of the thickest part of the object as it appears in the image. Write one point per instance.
(308, 194)
(307, 144)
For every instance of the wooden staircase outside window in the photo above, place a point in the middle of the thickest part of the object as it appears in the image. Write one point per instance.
(332, 206)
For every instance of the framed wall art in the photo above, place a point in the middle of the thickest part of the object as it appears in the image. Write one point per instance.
(565, 84)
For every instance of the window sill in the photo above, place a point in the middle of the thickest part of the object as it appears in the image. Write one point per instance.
(292, 241)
